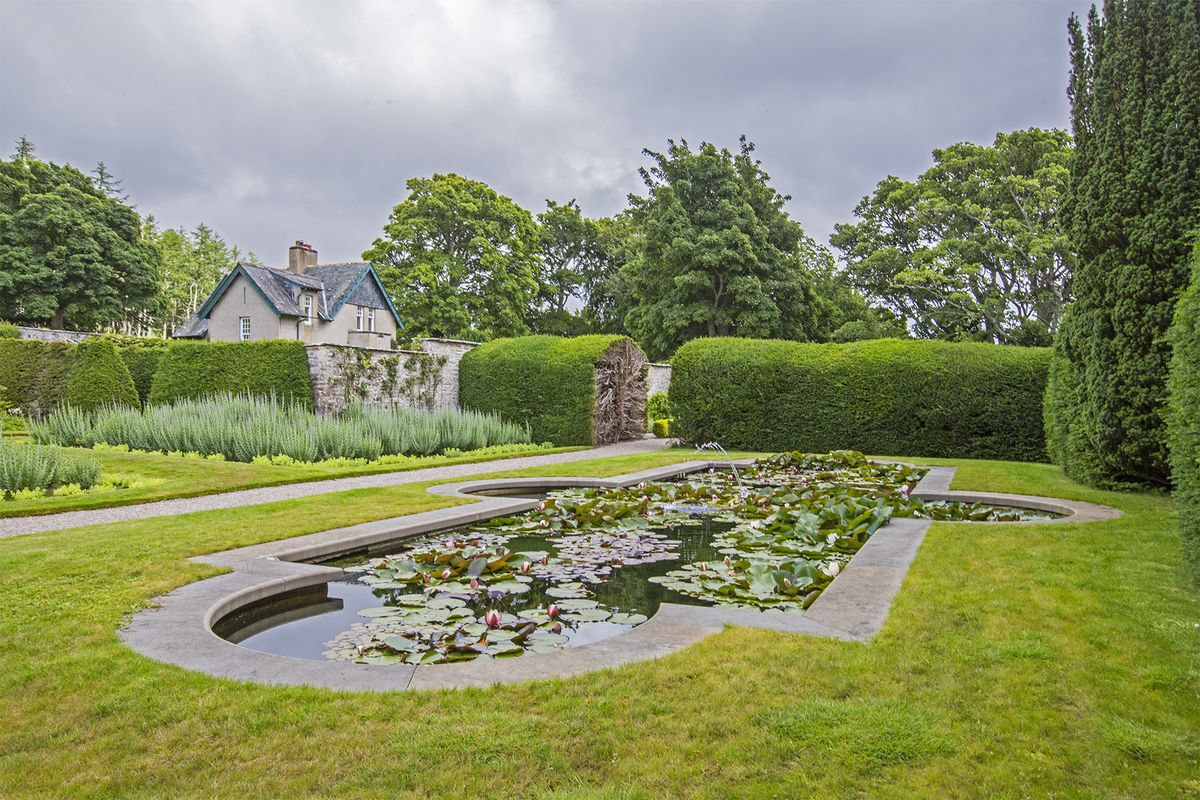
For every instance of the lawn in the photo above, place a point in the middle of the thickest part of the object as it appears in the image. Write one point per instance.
(191, 477)
(1051, 660)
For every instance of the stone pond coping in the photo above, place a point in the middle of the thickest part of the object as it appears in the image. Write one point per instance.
(178, 630)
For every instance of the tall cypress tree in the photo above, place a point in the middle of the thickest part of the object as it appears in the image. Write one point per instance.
(1131, 205)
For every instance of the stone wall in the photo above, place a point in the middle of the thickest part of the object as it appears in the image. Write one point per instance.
(49, 335)
(659, 379)
(453, 350)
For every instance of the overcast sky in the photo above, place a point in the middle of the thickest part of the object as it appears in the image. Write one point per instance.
(276, 121)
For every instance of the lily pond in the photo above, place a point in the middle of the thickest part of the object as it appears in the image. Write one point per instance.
(591, 563)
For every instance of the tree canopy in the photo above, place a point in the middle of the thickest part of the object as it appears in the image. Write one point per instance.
(193, 263)
(973, 248)
(719, 255)
(72, 255)
(457, 257)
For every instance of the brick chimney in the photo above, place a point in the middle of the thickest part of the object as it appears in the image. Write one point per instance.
(300, 257)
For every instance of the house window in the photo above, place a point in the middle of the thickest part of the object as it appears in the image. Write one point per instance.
(308, 309)
(245, 329)
(370, 319)
(358, 318)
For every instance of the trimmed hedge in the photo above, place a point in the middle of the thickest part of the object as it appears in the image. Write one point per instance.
(545, 381)
(39, 376)
(142, 360)
(1183, 416)
(884, 396)
(9, 331)
(202, 369)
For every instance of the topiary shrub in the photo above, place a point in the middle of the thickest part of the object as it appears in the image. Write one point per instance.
(99, 377)
(552, 384)
(657, 406)
(34, 374)
(885, 396)
(1183, 416)
(201, 369)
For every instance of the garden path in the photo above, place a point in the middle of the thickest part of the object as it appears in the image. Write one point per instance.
(271, 494)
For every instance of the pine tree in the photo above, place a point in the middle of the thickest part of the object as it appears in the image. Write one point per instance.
(1131, 205)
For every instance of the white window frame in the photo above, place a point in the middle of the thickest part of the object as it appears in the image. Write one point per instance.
(358, 318)
(245, 321)
(370, 319)
(308, 309)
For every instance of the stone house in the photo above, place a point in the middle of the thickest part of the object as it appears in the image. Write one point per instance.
(310, 302)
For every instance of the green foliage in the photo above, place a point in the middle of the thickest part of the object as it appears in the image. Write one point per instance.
(662, 427)
(1183, 418)
(9, 331)
(455, 256)
(926, 398)
(72, 254)
(545, 381)
(1132, 204)
(658, 406)
(719, 255)
(973, 248)
(142, 358)
(99, 377)
(38, 376)
(30, 467)
(570, 259)
(250, 428)
(193, 263)
(199, 369)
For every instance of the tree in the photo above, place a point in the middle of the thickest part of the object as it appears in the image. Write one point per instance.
(456, 257)
(71, 254)
(607, 284)
(973, 249)
(192, 266)
(569, 253)
(719, 255)
(1131, 206)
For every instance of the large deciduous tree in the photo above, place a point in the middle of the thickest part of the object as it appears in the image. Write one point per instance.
(1132, 204)
(457, 257)
(193, 263)
(70, 255)
(719, 255)
(973, 249)
(569, 255)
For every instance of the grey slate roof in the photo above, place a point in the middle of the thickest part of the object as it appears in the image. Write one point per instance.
(194, 327)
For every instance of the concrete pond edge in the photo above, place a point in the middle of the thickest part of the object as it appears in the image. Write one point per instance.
(177, 630)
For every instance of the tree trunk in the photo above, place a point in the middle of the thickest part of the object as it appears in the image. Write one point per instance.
(57, 322)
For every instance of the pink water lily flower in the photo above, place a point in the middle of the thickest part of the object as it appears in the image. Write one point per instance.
(491, 618)
(525, 567)
(552, 610)
(545, 559)
(474, 583)
(447, 574)
(556, 627)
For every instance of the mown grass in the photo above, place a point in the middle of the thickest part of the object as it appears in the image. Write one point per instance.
(1050, 660)
(190, 477)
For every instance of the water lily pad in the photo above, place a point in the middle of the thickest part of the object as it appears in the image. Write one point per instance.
(379, 611)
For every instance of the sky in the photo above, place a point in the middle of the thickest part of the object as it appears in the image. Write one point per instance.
(277, 121)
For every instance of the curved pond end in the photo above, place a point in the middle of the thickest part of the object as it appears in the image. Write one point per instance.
(179, 629)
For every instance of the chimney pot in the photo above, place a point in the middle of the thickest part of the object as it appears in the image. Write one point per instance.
(300, 257)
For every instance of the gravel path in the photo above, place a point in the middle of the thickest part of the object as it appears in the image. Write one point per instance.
(270, 494)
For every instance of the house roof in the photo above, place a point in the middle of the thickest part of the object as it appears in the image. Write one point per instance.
(281, 290)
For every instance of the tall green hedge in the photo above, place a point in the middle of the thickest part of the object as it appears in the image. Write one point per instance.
(39, 376)
(1183, 416)
(142, 359)
(199, 369)
(546, 381)
(885, 396)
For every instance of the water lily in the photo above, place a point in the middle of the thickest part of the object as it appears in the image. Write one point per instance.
(474, 583)
(425, 577)
(552, 610)
(556, 627)
(545, 559)
(447, 574)
(543, 523)
(491, 618)
(525, 567)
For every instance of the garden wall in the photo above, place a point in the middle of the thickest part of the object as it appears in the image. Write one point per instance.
(342, 374)
(658, 379)
(52, 335)
(884, 397)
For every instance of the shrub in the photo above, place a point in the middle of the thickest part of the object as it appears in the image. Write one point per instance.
(99, 377)
(657, 406)
(886, 396)
(546, 381)
(201, 369)
(249, 428)
(9, 331)
(39, 376)
(662, 428)
(29, 469)
(1183, 415)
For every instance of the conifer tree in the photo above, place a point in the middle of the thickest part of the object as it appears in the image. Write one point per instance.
(1131, 205)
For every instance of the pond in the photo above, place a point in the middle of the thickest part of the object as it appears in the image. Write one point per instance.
(589, 564)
